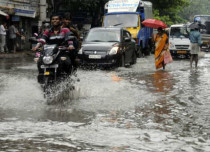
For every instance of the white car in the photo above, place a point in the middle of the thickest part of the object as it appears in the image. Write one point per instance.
(179, 43)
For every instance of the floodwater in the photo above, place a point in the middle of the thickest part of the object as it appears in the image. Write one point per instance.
(136, 109)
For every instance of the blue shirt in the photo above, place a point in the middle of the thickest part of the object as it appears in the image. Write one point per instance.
(195, 37)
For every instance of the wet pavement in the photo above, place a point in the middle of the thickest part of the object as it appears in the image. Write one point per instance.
(124, 109)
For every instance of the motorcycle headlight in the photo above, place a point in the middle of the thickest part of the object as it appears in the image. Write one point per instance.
(47, 59)
(114, 50)
(80, 51)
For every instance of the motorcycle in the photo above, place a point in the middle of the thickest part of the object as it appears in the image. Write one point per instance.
(54, 64)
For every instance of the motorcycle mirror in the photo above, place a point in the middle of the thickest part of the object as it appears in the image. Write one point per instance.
(71, 37)
(36, 34)
(81, 38)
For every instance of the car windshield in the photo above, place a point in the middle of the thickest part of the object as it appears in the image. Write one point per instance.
(121, 20)
(179, 32)
(103, 36)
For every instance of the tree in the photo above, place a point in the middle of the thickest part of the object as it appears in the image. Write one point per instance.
(195, 7)
(168, 10)
(94, 8)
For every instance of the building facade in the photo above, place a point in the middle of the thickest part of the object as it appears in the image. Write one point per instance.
(29, 14)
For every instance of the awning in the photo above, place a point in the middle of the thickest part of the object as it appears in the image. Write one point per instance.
(4, 14)
(25, 13)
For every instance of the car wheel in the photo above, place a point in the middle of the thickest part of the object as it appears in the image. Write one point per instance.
(139, 52)
(146, 51)
(121, 61)
(134, 57)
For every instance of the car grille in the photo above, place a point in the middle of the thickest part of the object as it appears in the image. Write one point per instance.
(182, 46)
(101, 52)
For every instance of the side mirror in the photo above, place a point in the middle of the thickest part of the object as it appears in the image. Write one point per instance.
(72, 38)
(83, 35)
(81, 38)
(127, 39)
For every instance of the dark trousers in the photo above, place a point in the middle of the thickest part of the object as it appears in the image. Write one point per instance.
(12, 45)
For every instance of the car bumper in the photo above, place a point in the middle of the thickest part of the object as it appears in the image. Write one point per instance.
(102, 61)
(205, 48)
(179, 52)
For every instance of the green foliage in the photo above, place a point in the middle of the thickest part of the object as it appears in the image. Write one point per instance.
(93, 8)
(195, 7)
(84, 5)
(168, 10)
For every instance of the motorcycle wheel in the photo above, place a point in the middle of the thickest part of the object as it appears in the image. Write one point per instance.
(46, 87)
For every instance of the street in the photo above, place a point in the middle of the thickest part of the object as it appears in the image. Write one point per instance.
(124, 109)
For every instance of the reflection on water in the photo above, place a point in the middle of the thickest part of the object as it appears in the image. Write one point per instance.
(162, 81)
(194, 79)
(195, 88)
(10, 63)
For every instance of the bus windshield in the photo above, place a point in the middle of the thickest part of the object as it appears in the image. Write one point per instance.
(121, 20)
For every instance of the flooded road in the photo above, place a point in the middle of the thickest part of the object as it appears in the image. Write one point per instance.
(125, 109)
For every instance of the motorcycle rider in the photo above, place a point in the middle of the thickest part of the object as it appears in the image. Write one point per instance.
(67, 23)
(56, 35)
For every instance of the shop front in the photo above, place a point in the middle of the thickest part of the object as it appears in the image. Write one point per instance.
(25, 14)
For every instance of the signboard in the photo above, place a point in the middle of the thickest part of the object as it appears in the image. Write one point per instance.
(123, 5)
(22, 1)
(26, 13)
(15, 18)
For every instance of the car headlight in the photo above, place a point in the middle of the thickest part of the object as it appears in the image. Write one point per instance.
(114, 50)
(171, 45)
(80, 51)
(47, 59)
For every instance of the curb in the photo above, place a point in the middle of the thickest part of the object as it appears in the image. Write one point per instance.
(17, 55)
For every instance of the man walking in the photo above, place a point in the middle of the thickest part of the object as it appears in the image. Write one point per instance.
(3, 29)
(13, 32)
(195, 39)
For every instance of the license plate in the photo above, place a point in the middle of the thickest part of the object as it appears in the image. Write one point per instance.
(49, 66)
(94, 56)
(182, 52)
(47, 73)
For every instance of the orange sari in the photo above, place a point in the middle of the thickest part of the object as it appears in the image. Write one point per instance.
(160, 47)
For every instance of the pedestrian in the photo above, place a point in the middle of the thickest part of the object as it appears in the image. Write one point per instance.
(3, 30)
(195, 39)
(13, 33)
(161, 45)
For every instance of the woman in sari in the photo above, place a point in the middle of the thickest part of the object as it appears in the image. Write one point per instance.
(161, 45)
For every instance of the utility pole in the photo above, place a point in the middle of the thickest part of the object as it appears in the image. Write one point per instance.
(53, 5)
(43, 12)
